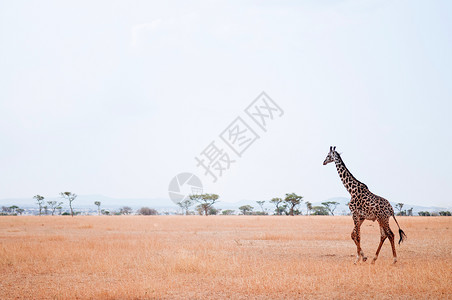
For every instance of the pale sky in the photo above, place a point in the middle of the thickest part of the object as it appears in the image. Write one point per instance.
(118, 97)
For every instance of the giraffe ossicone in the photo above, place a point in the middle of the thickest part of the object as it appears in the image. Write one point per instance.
(364, 205)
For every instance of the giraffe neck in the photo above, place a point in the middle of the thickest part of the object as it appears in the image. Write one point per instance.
(349, 181)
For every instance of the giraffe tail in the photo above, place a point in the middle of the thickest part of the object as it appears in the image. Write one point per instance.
(401, 233)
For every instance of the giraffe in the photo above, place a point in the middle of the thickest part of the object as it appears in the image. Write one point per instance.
(365, 205)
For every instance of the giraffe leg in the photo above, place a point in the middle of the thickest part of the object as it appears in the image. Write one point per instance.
(390, 235)
(356, 237)
(382, 239)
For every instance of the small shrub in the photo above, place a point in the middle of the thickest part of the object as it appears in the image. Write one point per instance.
(146, 211)
(320, 211)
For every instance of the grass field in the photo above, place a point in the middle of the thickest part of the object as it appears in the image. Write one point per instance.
(238, 257)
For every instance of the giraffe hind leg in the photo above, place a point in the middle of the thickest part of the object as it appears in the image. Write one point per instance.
(390, 235)
(382, 239)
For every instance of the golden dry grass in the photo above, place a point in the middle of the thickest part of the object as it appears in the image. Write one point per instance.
(238, 257)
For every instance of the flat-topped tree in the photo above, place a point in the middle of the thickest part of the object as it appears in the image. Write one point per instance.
(308, 207)
(97, 203)
(399, 207)
(40, 201)
(246, 209)
(330, 206)
(185, 205)
(125, 210)
(261, 204)
(53, 205)
(206, 201)
(277, 202)
(292, 200)
(70, 197)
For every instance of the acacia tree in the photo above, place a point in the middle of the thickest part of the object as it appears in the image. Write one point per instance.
(206, 201)
(292, 200)
(40, 202)
(13, 209)
(97, 203)
(330, 206)
(6, 210)
(399, 206)
(246, 209)
(308, 207)
(54, 206)
(70, 197)
(185, 205)
(277, 202)
(261, 204)
(125, 210)
(409, 212)
(199, 209)
(319, 210)
(284, 209)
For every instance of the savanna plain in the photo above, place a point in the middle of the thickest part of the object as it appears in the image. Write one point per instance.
(216, 257)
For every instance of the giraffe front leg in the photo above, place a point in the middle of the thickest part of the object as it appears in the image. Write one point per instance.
(356, 237)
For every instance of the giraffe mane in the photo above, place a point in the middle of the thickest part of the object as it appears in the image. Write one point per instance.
(340, 158)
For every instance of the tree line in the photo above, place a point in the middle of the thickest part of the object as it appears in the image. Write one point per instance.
(290, 205)
(51, 206)
(55, 207)
(409, 212)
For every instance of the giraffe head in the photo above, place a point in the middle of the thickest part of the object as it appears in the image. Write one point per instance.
(331, 155)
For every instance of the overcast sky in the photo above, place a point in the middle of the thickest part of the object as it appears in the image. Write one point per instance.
(118, 97)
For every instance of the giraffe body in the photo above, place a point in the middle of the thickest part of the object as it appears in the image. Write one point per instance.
(364, 205)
